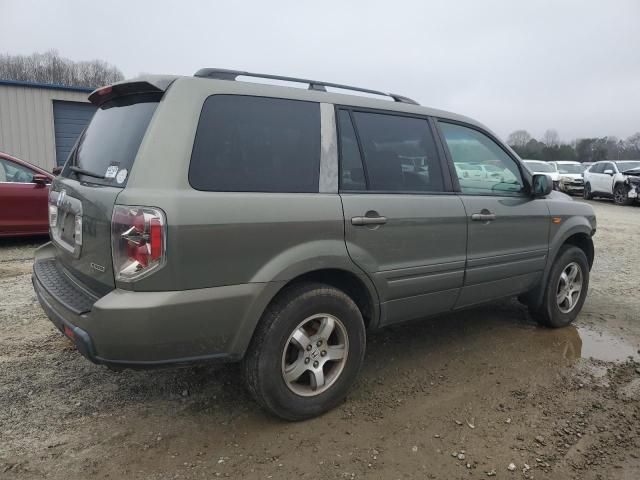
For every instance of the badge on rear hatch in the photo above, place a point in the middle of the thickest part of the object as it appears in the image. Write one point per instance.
(97, 267)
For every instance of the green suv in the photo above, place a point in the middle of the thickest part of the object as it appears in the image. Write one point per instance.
(205, 218)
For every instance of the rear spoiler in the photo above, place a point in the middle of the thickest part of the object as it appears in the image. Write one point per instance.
(152, 84)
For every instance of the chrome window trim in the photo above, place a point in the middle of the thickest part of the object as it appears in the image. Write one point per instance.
(328, 180)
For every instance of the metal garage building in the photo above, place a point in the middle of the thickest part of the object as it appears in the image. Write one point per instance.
(40, 123)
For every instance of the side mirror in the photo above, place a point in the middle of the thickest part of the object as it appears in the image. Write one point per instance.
(541, 185)
(608, 171)
(56, 170)
(40, 179)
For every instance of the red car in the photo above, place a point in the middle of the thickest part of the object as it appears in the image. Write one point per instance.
(23, 198)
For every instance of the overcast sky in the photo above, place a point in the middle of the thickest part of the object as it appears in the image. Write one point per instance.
(569, 65)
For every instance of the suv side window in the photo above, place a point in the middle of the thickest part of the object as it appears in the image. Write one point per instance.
(399, 153)
(471, 149)
(256, 144)
(597, 168)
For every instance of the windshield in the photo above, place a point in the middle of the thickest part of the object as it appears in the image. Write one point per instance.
(539, 167)
(110, 143)
(624, 166)
(570, 168)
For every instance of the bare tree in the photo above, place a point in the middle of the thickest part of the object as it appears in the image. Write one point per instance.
(551, 138)
(519, 138)
(50, 67)
(634, 141)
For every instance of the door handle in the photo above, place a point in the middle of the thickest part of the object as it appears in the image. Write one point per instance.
(360, 221)
(483, 217)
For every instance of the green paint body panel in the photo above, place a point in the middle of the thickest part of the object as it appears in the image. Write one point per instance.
(230, 253)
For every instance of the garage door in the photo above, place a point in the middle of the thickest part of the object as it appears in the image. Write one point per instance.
(69, 119)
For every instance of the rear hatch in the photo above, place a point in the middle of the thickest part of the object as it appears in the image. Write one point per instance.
(82, 197)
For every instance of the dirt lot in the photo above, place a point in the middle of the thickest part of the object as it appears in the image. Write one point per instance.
(459, 396)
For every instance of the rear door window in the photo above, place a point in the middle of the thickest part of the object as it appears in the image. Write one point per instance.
(256, 144)
(109, 145)
(399, 153)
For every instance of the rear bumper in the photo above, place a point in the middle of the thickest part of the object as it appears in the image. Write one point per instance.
(147, 329)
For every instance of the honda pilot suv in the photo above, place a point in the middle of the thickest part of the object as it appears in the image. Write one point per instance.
(207, 218)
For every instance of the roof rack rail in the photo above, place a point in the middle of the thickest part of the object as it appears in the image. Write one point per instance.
(223, 74)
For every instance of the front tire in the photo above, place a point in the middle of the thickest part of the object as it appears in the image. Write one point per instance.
(306, 352)
(588, 195)
(566, 290)
(621, 196)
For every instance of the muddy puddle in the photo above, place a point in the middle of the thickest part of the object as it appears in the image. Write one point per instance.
(605, 346)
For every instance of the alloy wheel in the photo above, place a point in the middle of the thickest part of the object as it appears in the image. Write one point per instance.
(569, 287)
(315, 355)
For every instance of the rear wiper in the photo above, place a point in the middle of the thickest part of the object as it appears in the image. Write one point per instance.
(86, 172)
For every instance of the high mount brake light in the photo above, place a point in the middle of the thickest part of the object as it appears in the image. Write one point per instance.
(104, 90)
(138, 241)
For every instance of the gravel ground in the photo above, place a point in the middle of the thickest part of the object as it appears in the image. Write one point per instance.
(458, 396)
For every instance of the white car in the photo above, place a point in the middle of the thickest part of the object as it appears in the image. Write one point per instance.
(619, 180)
(570, 173)
(538, 166)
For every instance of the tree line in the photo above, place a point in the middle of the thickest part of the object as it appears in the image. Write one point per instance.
(50, 67)
(549, 147)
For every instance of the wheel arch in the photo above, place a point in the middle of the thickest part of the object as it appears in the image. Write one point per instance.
(583, 241)
(619, 183)
(364, 295)
(357, 285)
(579, 236)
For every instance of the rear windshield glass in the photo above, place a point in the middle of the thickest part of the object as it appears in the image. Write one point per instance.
(110, 143)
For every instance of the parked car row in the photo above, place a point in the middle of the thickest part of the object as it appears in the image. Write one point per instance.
(566, 175)
(618, 180)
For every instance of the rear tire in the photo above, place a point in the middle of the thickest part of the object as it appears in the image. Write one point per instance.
(562, 301)
(306, 352)
(588, 195)
(621, 196)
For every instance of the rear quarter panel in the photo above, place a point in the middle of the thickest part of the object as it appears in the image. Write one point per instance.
(225, 238)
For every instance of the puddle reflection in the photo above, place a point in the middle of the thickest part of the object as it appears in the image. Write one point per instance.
(604, 346)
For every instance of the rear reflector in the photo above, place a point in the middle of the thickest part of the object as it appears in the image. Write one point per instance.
(69, 333)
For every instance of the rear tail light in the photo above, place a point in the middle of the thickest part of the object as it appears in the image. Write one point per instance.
(138, 241)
